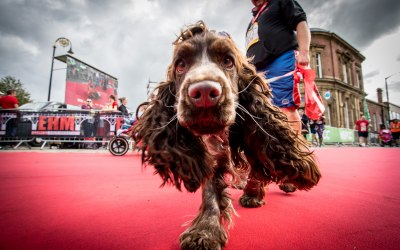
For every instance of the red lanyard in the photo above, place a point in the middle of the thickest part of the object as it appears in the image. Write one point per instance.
(259, 12)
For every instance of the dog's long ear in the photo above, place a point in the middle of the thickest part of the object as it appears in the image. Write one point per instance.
(177, 155)
(262, 131)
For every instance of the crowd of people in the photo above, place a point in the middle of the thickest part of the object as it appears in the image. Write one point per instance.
(315, 127)
(91, 127)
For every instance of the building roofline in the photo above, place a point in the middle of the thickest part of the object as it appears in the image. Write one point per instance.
(319, 31)
(375, 102)
(391, 104)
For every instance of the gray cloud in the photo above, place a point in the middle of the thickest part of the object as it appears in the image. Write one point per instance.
(358, 21)
(371, 74)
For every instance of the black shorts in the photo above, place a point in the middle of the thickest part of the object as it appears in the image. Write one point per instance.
(362, 134)
(396, 135)
(313, 129)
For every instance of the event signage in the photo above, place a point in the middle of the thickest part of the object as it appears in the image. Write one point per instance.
(62, 124)
(86, 82)
(336, 135)
(332, 134)
(48, 124)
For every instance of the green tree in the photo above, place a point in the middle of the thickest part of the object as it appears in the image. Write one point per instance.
(10, 83)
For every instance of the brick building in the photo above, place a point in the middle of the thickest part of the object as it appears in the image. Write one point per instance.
(378, 111)
(339, 77)
(394, 111)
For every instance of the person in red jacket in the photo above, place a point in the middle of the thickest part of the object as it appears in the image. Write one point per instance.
(395, 129)
(9, 101)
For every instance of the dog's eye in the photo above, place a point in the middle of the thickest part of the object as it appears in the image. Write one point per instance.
(180, 67)
(228, 62)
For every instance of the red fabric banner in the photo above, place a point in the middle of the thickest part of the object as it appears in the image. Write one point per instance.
(314, 108)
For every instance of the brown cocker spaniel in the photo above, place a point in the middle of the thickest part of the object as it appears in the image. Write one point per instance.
(211, 124)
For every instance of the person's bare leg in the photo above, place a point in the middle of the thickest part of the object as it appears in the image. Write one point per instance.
(295, 123)
(320, 140)
(314, 140)
(362, 141)
(294, 119)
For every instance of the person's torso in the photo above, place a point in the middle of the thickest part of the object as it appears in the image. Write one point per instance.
(275, 35)
(114, 104)
(123, 109)
(304, 122)
(8, 102)
(86, 107)
(363, 126)
(395, 127)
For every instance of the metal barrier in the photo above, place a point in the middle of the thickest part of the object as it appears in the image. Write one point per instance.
(76, 126)
(344, 136)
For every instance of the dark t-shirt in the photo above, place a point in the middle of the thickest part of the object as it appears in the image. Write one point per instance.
(304, 122)
(276, 31)
(123, 109)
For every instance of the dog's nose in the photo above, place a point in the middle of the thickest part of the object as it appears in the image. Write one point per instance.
(205, 94)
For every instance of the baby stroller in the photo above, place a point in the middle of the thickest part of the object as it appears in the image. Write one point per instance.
(386, 137)
(119, 144)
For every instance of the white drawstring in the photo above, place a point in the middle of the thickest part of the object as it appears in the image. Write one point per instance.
(273, 79)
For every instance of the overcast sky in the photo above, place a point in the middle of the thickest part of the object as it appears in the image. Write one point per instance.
(132, 40)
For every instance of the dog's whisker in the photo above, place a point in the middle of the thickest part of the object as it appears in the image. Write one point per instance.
(240, 116)
(246, 111)
(166, 124)
(253, 118)
(169, 88)
(248, 85)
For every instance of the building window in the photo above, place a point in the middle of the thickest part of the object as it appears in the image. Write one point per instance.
(328, 115)
(375, 123)
(344, 69)
(392, 115)
(358, 79)
(318, 65)
(346, 115)
(380, 119)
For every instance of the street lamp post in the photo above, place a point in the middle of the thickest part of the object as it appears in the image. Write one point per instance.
(149, 87)
(387, 93)
(64, 42)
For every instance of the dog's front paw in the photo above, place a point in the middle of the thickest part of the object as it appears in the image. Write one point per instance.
(250, 201)
(287, 187)
(193, 239)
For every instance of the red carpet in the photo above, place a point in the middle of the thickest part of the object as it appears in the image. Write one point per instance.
(98, 201)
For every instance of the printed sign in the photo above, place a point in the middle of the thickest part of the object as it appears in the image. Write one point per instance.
(62, 124)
